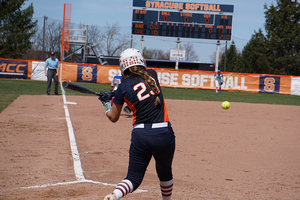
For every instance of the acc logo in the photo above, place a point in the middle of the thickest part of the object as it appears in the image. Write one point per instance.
(11, 69)
(269, 84)
(87, 73)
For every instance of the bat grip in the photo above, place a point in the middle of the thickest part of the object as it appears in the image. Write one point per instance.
(99, 94)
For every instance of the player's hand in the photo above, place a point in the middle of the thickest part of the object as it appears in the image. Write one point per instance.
(106, 97)
(111, 94)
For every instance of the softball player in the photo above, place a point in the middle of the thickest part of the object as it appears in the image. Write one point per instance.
(117, 80)
(218, 80)
(152, 134)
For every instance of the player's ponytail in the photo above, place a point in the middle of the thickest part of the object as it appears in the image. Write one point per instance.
(140, 71)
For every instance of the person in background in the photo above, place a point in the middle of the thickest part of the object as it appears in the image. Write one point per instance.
(152, 133)
(219, 81)
(51, 71)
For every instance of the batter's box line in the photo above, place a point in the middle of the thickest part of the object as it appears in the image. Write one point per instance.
(75, 182)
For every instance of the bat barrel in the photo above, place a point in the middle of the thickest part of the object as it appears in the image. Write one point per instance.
(77, 88)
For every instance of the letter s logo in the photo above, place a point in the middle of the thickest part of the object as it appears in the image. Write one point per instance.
(87, 73)
(269, 84)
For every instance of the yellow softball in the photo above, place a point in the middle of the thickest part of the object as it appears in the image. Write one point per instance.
(225, 105)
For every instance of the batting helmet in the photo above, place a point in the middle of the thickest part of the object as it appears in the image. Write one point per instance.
(131, 57)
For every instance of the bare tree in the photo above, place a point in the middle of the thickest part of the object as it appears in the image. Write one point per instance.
(113, 42)
(95, 35)
(34, 53)
(213, 55)
(110, 40)
(37, 39)
(53, 36)
(52, 39)
(190, 53)
(157, 54)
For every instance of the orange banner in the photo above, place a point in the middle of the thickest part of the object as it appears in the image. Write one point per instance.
(256, 83)
(69, 72)
(205, 80)
(74, 72)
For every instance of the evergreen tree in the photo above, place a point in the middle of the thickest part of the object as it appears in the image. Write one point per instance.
(16, 28)
(255, 55)
(283, 32)
(232, 56)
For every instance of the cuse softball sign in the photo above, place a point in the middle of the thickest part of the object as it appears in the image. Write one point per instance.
(204, 80)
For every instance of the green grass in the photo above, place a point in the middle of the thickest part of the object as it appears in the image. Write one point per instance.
(210, 95)
(11, 89)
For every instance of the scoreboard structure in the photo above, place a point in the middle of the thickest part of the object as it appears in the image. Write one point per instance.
(182, 20)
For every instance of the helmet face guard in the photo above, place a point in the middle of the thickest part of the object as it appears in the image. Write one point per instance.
(131, 57)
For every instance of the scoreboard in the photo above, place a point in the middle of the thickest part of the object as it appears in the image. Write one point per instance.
(204, 21)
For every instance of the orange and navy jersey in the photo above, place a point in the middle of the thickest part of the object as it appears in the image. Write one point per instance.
(140, 98)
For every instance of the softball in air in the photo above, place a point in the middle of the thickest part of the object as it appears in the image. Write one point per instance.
(225, 105)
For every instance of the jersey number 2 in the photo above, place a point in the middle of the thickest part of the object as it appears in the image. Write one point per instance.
(143, 87)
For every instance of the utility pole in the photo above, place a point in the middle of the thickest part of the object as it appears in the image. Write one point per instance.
(225, 56)
(178, 43)
(142, 44)
(44, 33)
(217, 57)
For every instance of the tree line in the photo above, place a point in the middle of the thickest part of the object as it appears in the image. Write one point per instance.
(276, 52)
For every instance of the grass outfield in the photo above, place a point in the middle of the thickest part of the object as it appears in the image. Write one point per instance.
(11, 89)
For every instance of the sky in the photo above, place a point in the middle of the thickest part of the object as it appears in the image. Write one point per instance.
(248, 17)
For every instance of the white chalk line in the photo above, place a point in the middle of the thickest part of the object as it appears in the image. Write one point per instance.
(67, 183)
(76, 158)
(75, 182)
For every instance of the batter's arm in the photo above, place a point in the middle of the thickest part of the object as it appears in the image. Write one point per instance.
(114, 113)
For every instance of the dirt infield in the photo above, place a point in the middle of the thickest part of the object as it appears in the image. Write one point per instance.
(250, 151)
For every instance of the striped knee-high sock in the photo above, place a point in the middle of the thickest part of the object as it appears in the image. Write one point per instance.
(123, 188)
(166, 188)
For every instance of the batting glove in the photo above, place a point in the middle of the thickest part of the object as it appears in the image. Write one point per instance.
(111, 94)
(105, 98)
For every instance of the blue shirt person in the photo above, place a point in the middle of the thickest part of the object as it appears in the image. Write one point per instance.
(51, 71)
